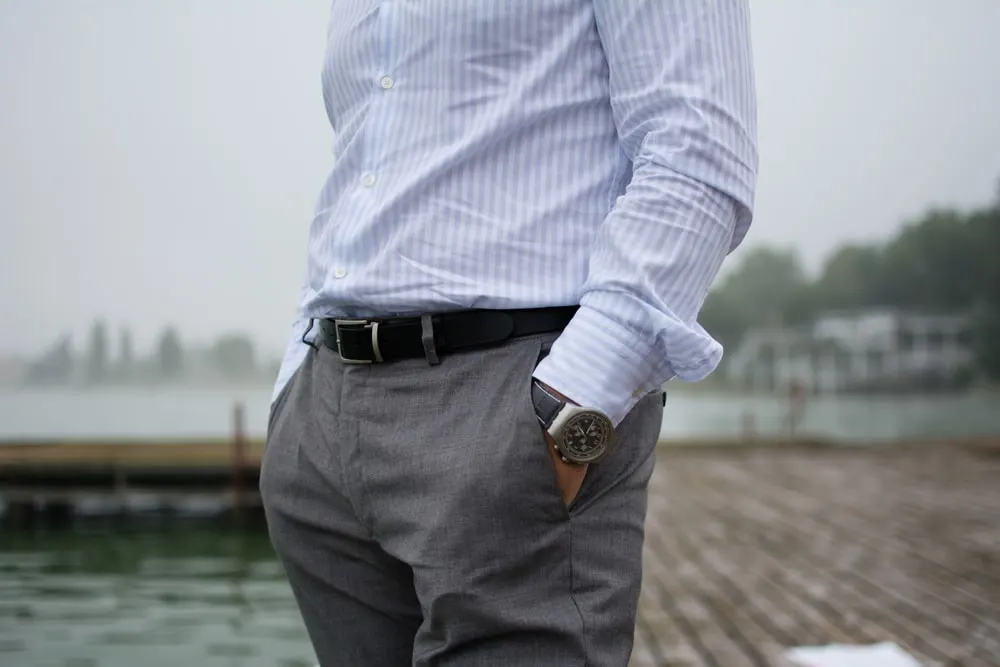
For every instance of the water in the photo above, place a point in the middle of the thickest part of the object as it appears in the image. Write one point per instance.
(194, 413)
(181, 596)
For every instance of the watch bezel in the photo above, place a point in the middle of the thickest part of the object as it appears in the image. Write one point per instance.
(565, 418)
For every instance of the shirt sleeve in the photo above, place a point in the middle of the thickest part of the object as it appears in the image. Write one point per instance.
(684, 102)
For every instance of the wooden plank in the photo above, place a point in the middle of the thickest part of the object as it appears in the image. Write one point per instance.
(104, 453)
(750, 552)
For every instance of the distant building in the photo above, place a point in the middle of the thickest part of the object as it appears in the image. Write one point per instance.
(868, 351)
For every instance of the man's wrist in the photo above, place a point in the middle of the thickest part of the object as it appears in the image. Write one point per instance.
(598, 363)
(579, 435)
(555, 392)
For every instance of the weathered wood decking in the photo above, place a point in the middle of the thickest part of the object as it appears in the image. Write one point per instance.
(750, 552)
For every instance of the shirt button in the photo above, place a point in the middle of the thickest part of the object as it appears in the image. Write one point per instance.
(339, 273)
(369, 180)
(387, 82)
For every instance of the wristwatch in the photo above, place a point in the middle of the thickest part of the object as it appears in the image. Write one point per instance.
(581, 435)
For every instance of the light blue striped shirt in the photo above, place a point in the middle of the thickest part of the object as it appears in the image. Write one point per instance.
(525, 153)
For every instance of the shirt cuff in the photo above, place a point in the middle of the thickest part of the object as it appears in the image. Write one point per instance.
(599, 363)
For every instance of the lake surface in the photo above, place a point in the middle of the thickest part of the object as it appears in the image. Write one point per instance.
(180, 596)
(159, 413)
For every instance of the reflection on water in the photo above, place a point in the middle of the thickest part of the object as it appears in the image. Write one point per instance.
(181, 596)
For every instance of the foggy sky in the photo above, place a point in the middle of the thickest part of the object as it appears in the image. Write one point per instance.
(159, 161)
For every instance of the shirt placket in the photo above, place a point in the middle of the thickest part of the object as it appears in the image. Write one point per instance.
(383, 82)
(372, 159)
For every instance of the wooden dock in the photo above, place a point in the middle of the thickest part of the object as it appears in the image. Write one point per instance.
(750, 550)
(51, 482)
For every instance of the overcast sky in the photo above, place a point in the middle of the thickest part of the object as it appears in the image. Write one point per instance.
(159, 161)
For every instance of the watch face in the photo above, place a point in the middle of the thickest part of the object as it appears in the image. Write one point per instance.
(586, 437)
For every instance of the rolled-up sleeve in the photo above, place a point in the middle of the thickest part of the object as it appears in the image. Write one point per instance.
(684, 101)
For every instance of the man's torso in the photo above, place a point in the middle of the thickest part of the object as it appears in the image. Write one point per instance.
(475, 156)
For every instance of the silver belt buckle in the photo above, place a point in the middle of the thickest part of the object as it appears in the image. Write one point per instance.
(368, 324)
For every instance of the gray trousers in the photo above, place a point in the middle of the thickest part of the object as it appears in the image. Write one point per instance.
(416, 513)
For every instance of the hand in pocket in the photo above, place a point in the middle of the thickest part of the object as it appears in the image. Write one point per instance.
(569, 477)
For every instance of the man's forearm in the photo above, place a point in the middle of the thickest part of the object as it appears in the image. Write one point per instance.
(683, 94)
(627, 341)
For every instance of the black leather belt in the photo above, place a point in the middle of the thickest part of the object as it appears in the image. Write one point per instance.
(377, 340)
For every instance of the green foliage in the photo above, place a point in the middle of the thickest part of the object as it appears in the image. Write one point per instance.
(55, 366)
(233, 355)
(126, 350)
(850, 279)
(97, 353)
(767, 288)
(947, 262)
(171, 354)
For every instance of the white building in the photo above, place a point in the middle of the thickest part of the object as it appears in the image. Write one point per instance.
(874, 350)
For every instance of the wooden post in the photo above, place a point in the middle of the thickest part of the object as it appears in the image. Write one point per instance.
(121, 490)
(238, 460)
(796, 407)
(749, 429)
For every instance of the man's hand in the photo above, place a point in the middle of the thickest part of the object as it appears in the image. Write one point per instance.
(569, 477)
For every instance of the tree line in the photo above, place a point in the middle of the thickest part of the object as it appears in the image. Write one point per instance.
(946, 262)
(231, 357)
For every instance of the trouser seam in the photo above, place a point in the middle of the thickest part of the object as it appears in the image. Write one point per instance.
(572, 595)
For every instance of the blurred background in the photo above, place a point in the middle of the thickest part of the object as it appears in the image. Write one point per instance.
(159, 162)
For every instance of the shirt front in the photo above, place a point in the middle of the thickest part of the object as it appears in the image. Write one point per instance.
(517, 153)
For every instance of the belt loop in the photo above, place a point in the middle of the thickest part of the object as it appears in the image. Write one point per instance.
(427, 338)
(310, 343)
